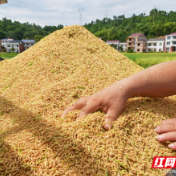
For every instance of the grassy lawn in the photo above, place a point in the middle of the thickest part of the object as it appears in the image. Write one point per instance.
(146, 60)
(8, 55)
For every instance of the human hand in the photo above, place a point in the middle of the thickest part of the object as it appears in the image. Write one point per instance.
(111, 100)
(167, 132)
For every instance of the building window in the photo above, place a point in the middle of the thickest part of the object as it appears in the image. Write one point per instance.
(168, 37)
(167, 49)
(168, 43)
(138, 50)
(129, 39)
(160, 44)
(149, 44)
(154, 49)
(174, 43)
(155, 44)
(138, 44)
(174, 37)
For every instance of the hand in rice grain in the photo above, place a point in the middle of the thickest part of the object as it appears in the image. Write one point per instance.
(167, 132)
(111, 100)
(156, 81)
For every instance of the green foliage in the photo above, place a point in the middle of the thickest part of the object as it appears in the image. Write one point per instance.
(120, 48)
(3, 49)
(37, 38)
(157, 23)
(130, 51)
(18, 31)
(12, 49)
(113, 45)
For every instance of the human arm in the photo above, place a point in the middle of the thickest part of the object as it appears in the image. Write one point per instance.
(156, 81)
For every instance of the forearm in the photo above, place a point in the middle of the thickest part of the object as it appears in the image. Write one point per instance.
(156, 81)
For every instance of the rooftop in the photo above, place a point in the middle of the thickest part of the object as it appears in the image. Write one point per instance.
(28, 40)
(172, 34)
(157, 39)
(15, 41)
(113, 41)
(135, 35)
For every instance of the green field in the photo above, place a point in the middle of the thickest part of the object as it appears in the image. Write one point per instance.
(8, 55)
(146, 60)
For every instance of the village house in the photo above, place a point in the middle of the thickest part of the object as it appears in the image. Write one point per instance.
(115, 42)
(123, 45)
(4, 41)
(28, 43)
(171, 42)
(136, 42)
(156, 45)
(18, 46)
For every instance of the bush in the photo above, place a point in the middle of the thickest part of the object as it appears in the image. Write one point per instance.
(114, 46)
(130, 51)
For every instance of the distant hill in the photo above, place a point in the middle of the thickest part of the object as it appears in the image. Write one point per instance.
(18, 31)
(157, 23)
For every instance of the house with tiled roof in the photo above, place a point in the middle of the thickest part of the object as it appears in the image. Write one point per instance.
(136, 42)
(171, 42)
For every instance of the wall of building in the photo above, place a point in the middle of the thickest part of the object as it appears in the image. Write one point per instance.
(171, 43)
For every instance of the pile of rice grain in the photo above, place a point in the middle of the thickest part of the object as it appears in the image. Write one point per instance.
(37, 85)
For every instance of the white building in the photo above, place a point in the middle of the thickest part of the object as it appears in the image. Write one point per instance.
(171, 42)
(123, 45)
(155, 44)
(115, 42)
(16, 44)
(28, 43)
(4, 41)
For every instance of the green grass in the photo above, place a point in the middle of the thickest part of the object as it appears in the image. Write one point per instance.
(146, 60)
(8, 55)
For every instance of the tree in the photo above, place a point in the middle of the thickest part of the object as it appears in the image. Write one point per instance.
(2, 34)
(12, 49)
(113, 45)
(3, 49)
(37, 38)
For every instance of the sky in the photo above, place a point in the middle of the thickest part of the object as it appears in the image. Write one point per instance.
(66, 12)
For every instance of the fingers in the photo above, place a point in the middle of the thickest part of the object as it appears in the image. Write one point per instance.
(166, 128)
(111, 116)
(172, 146)
(81, 103)
(168, 121)
(170, 136)
(89, 108)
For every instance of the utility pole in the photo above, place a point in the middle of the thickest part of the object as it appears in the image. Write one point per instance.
(3, 1)
(81, 10)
